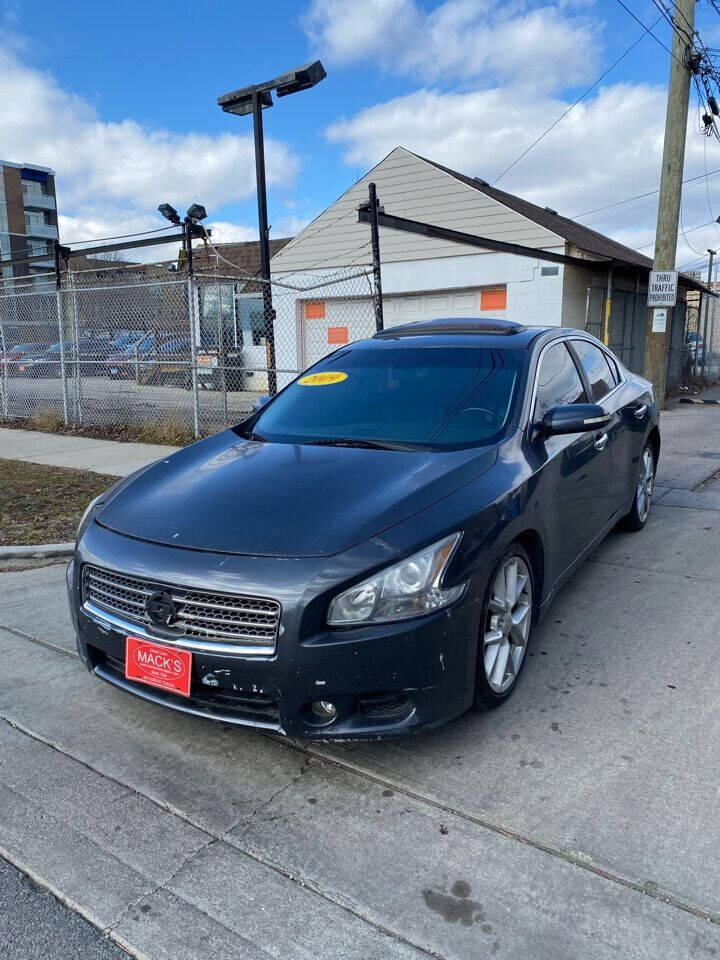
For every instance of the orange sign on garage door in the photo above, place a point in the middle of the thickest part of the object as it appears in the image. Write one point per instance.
(493, 299)
(338, 335)
(315, 310)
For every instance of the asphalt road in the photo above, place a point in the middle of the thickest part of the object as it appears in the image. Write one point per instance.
(125, 402)
(36, 926)
(579, 820)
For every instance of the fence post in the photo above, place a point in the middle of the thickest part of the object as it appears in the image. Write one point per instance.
(192, 317)
(77, 372)
(61, 331)
(4, 348)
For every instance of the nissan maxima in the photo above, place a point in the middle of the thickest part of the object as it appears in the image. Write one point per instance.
(369, 552)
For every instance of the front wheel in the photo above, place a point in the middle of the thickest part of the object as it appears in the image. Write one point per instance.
(505, 629)
(637, 516)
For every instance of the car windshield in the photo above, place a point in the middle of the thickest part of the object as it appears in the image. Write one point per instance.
(432, 397)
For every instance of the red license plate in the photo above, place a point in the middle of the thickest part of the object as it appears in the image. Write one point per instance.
(158, 666)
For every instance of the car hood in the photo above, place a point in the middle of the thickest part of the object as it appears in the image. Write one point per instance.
(237, 496)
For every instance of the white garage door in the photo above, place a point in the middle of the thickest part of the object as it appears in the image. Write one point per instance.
(327, 324)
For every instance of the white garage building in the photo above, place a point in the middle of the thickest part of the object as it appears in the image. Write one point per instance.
(425, 277)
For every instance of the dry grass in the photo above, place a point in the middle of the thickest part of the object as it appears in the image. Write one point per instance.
(42, 504)
(172, 431)
(46, 419)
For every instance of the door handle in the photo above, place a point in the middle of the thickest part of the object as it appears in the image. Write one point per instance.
(601, 441)
(640, 411)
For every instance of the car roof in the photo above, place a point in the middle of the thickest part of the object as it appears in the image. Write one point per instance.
(466, 331)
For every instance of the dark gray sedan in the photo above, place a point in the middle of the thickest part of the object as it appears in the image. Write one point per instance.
(368, 553)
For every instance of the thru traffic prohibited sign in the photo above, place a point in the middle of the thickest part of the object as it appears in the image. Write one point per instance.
(662, 288)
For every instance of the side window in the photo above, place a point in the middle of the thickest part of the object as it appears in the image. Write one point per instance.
(614, 368)
(596, 367)
(558, 381)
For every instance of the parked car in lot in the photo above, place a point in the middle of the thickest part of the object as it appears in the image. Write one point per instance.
(12, 358)
(44, 362)
(168, 363)
(126, 339)
(86, 357)
(125, 363)
(368, 553)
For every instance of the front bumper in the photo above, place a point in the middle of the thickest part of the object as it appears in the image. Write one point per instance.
(384, 680)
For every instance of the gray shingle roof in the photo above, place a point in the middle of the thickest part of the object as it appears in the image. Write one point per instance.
(585, 239)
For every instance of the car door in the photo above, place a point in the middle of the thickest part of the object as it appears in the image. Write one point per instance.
(602, 384)
(576, 468)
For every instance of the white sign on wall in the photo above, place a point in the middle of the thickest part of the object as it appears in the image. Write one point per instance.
(662, 288)
(659, 321)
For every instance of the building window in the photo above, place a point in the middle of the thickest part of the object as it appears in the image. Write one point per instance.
(494, 299)
(37, 219)
(32, 189)
(549, 271)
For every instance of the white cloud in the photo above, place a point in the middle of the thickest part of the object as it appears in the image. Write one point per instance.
(290, 226)
(608, 148)
(520, 43)
(225, 232)
(123, 166)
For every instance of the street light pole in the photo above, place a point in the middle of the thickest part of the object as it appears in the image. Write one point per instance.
(268, 312)
(254, 99)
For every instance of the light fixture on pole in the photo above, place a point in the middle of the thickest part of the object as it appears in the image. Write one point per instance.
(170, 213)
(253, 100)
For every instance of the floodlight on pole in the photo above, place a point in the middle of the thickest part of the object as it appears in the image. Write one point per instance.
(196, 212)
(253, 100)
(170, 213)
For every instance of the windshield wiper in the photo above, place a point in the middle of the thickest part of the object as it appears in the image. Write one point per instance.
(250, 435)
(358, 442)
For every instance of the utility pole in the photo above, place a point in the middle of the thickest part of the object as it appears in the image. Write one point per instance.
(656, 343)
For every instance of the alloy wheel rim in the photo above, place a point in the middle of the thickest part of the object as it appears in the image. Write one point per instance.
(507, 624)
(646, 479)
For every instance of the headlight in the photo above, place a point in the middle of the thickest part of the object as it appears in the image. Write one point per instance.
(408, 589)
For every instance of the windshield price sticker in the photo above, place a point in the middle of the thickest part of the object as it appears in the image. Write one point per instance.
(662, 288)
(322, 379)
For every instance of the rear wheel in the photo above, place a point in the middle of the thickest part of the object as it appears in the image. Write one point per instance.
(505, 628)
(638, 514)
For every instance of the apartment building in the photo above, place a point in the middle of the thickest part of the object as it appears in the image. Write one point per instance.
(28, 217)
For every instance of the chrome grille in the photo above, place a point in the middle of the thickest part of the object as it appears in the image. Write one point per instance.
(227, 618)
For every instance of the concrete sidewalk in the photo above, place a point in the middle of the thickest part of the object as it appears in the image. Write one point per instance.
(111, 457)
(578, 820)
(683, 431)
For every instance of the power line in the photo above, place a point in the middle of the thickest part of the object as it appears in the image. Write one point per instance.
(649, 29)
(573, 105)
(690, 230)
(682, 230)
(640, 196)
(124, 236)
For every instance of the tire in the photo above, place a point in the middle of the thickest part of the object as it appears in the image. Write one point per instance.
(495, 681)
(636, 518)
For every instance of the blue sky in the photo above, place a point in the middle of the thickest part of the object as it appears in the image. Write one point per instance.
(468, 82)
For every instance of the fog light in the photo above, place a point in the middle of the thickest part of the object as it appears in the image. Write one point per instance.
(324, 710)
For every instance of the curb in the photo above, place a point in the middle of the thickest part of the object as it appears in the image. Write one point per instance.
(38, 551)
(699, 400)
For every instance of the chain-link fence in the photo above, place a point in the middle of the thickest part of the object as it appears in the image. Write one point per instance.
(693, 350)
(145, 348)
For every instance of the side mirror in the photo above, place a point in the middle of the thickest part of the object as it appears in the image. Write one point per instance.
(574, 418)
(260, 402)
